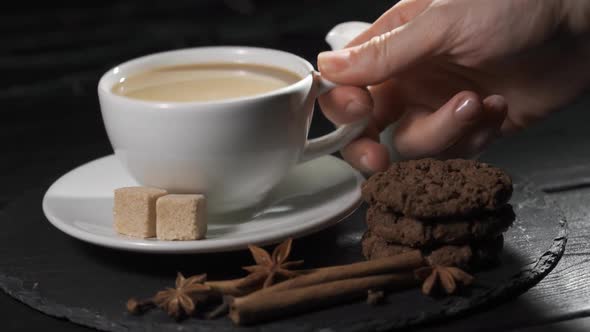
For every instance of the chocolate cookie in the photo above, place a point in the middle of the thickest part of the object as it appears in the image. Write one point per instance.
(414, 232)
(430, 188)
(469, 255)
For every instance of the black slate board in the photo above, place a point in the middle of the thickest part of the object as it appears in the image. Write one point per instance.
(89, 285)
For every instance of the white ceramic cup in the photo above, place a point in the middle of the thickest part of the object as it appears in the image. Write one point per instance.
(233, 150)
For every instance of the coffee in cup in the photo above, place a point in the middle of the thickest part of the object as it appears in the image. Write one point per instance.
(204, 82)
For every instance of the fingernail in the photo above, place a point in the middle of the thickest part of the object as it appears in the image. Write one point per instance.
(333, 61)
(467, 109)
(494, 101)
(357, 108)
(364, 163)
(480, 142)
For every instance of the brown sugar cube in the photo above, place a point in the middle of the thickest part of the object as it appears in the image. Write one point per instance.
(181, 217)
(135, 211)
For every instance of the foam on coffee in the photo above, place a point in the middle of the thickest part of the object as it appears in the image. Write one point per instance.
(204, 82)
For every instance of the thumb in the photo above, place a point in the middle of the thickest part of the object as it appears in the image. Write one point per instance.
(385, 55)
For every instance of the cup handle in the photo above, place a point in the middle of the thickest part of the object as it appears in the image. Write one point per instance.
(337, 38)
(341, 34)
(337, 139)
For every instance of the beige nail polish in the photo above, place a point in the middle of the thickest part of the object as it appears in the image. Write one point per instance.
(467, 109)
(364, 163)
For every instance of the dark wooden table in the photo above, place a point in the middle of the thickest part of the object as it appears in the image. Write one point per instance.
(52, 56)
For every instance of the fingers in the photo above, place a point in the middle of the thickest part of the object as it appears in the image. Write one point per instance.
(495, 110)
(398, 15)
(346, 104)
(510, 127)
(388, 103)
(382, 103)
(421, 133)
(365, 153)
(462, 127)
(387, 54)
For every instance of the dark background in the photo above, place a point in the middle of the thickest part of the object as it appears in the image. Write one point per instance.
(53, 53)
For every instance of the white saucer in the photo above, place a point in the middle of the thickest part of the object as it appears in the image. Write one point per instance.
(315, 195)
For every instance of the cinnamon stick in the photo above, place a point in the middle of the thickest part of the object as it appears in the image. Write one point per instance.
(405, 261)
(230, 287)
(402, 262)
(256, 308)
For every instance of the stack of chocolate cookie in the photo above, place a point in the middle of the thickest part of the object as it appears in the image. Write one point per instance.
(455, 211)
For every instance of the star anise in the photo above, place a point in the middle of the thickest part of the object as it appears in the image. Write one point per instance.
(268, 267)
(182, 299)
(447, 276)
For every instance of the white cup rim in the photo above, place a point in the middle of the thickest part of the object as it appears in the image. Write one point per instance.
(105, 83)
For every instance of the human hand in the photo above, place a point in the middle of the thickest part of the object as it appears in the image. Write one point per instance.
(456, 74)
